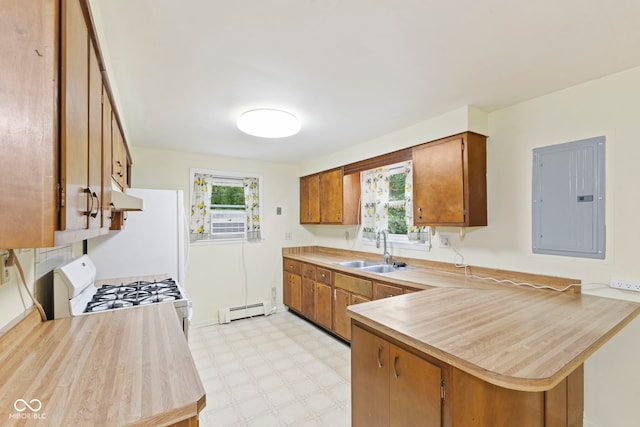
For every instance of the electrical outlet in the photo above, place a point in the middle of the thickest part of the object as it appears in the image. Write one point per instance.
(444, 242)
(626, 285)
(346, 236)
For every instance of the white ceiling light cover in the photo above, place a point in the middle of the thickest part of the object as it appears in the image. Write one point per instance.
(268, 123)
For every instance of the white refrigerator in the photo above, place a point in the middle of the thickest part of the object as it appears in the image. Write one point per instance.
(152, 241)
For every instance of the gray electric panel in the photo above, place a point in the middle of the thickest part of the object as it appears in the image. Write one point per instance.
(568, 199)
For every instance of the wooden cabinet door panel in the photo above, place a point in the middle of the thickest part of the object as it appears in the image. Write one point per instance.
(292, 291)
(324, 276)
(369, 380)
(484, 404)
(74, 117)
(296, 292)
(438, 183)
(323, 305)
(358, 299)
(381, 290)
(331, 195)
(294, 267)
(341, 323)
(310, 199)
(308, 298)
(119, 166)
(107, 113)
(414, 390)
(29, 123)
(286, 289)
(309, 271)
(95, 183)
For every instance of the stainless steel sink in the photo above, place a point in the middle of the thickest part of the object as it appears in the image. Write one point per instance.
(371, 266)
(358, 264)
(381, 268)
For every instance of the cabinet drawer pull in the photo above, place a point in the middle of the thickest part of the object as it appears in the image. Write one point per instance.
(395, 367)
(379, 355)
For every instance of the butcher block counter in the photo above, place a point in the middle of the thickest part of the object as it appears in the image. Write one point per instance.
(120, 367)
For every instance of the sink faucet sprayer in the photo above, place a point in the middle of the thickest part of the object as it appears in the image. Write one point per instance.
(387, 255)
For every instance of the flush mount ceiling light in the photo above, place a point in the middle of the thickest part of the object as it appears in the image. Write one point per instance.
(268, 123)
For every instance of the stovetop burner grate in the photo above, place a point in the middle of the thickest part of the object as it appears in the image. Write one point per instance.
(109, 297)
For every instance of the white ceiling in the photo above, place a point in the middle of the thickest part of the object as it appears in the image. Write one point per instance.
(351, 70)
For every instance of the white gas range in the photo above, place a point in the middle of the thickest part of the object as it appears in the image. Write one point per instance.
(76, 293)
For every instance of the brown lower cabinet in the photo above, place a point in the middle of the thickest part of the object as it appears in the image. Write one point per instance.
(390, 386)
(324, 308)
(341, 321)
(322, 295)
(292, 291)
(307, 290)
(393, 386)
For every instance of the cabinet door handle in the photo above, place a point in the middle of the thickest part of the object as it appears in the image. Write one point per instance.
(419, 213)
(395, 367)
(379, 356)
(89, 194)
(95, 214)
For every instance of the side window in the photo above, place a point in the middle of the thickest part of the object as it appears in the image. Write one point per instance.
(227, 215)
(225, 206)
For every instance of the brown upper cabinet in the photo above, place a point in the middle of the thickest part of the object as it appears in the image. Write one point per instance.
(449, 185)
(55, 188)
(450, 181)
(310, 199)
(330, 197)
(120, 159)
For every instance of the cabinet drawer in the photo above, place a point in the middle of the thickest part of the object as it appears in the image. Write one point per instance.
(381, 290)
(309, 271)
(292, 266)
(354, 284)
(323, 276)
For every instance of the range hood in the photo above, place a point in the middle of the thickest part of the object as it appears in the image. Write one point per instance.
(123, 202)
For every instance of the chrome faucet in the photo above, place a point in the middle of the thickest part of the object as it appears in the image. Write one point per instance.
(387, 255)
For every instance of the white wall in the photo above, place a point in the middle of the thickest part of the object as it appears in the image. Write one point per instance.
(230, 274)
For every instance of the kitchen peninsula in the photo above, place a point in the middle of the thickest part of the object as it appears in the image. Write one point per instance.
(466, 351)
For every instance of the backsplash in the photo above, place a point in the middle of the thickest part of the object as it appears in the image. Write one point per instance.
(49, 258)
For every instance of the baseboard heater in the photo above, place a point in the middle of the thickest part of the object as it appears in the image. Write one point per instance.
(228, 314)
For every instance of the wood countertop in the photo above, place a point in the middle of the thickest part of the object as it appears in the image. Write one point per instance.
(520, 339)
(514, 337)
(422, 274)
(120, 367)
